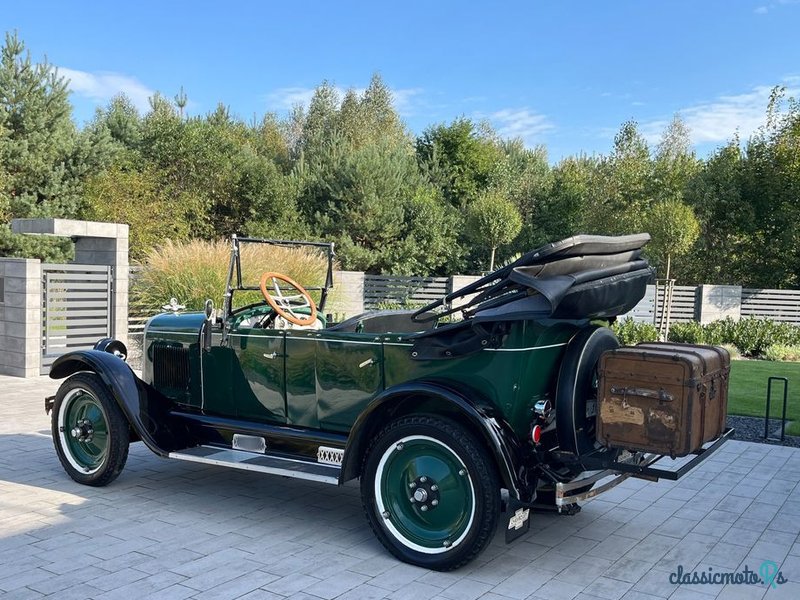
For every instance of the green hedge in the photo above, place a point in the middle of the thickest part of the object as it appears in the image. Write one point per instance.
(750, 336)
(631, 333)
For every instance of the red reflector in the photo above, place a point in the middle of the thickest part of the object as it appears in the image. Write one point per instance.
(536, 434)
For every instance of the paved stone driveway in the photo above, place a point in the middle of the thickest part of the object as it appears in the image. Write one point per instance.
(169, 529)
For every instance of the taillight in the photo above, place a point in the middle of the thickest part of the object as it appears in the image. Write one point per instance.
(536, 434)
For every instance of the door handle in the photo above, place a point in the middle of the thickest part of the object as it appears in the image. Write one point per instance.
(271, 355)
(366, 363)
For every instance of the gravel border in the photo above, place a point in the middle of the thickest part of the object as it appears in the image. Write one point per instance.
(751, 429)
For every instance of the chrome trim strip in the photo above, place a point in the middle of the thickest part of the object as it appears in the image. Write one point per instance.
(235, 460)
(523, 349)
(316, 339)
(193, 333)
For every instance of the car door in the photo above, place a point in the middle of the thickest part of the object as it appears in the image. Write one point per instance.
(258, 374)
(331, 377)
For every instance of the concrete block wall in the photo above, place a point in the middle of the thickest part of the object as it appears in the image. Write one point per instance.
(20, 317)
(459, 281)
(107, 244)
(715, 302)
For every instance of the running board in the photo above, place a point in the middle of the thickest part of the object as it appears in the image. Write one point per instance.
(262, 463)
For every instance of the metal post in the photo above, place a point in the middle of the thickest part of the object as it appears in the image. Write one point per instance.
(783, 417)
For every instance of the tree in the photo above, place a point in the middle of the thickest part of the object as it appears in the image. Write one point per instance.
(715, 195)
(673, 228)
(38, 146)
(563, 211)
(458, 159)
(525, 177)
(181, 100)
(623, 188)
(123, 122)
(121, 195)
(363, 195)
(675, 163)
(492, 221)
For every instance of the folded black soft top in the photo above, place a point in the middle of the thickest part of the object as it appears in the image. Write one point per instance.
(581, 277)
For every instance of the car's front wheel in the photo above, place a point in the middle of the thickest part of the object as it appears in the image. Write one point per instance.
(90, 433)
(430, 494)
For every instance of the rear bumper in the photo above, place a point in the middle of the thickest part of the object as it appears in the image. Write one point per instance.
(608, 474)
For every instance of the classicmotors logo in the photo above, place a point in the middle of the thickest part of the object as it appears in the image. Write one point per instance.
(768, 574)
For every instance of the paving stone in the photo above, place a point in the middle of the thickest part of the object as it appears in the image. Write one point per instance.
(605, 587)
(559, 590)
(591, 567)
(174, 530)
(522, 583)
(364, 592)
(628, 569)
(415, 591)
(337, 585)
(726, 555)
(613, 547)
(466, 589)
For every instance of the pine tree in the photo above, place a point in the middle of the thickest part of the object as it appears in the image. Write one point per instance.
(38, 145)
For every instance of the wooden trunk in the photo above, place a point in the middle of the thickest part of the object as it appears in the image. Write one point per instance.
(662, 397)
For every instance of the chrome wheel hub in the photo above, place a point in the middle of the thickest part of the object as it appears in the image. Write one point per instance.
(83, 431)
(426, 493)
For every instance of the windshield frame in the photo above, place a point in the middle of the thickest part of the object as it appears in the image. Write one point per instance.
(234, 280)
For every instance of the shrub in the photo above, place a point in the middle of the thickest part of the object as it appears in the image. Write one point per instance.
(196, 270)
(753, 336)
(732, 350)
(631, 333)
(782, 352)
(691, 332)
(719, 333)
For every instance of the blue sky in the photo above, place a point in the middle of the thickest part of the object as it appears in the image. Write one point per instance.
(564, 74)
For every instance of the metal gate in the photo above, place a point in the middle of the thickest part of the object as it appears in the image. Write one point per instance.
(76, 308)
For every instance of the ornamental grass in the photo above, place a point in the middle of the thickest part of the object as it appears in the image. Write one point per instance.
(196, 270)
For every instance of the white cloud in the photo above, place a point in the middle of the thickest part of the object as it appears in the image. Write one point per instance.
(405, 99)
(765, 8)
(522, 123)
(286, 98)
(718, 120)
(102, 86)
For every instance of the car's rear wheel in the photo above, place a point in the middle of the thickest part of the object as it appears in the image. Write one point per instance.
(90, 433)
(429, 492)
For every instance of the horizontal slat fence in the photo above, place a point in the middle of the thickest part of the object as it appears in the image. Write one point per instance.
(76, 308)
(683, 303)
(392, 290)
(776, 305)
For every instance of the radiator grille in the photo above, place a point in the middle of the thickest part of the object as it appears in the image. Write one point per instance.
(170, 366)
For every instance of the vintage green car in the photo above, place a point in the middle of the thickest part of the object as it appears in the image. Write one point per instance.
(449, 423)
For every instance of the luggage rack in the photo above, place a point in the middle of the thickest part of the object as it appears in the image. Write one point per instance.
(638, 464)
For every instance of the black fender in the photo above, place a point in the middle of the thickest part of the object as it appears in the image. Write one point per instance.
(147, 410)
(479, 417)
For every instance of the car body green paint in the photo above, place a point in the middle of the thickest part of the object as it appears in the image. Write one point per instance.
(323, 379)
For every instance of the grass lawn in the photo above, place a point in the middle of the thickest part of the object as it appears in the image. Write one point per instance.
(748, 390)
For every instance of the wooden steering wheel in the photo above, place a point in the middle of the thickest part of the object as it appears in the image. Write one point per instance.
(284, 305)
